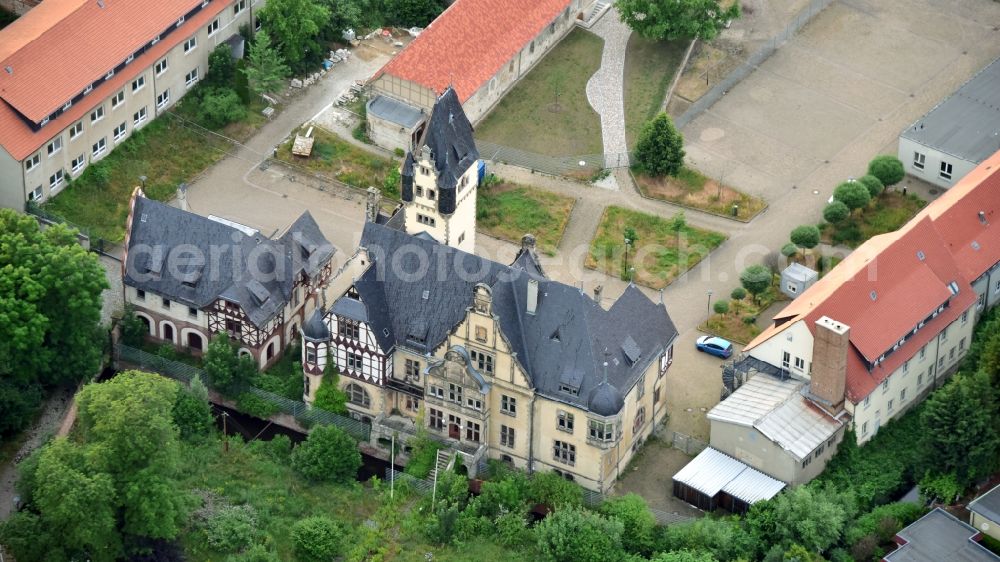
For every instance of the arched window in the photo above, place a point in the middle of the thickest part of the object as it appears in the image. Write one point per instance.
(168, 332)
(356, 395)
(194, 341)
(145, 323)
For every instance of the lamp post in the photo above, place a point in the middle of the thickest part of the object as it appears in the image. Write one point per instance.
(710, 302)
(628, 242)
(143, 180)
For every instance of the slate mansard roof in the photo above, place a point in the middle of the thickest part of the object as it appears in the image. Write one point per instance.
(416, 291)
(195, 260)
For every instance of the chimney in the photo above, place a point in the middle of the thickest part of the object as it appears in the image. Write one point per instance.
(373, 205)
(532, 304)
(528, 242)
(829, 364)
(597, 293)
(182, 201)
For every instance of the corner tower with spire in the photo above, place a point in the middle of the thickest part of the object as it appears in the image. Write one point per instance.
(440, 177)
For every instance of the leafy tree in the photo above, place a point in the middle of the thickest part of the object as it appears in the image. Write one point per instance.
(574, 534)
(807, 515)
(133, 329)
(636, 519)
(328, 454)
(723, 538)
(943, 487)
(676, 19)
(28, 538)
(77, 501)
(872, 184)
(256, 553)
(721, 307)
(548, 488)
(408, 13)
(220, 361)
(50, 301)
(836, 212)
(684, 556)
(887, 168)
(130, 435)
(343, 16)
(317, 539)
(739, 293)
(756, 279)
(959, 423)
(221, 67)
(871, 523)
(329, 396)
(295, 25)
(660, 149)
(232, 528)
(805, 236)
(266, 69)
(192, 412)
(854, 194)
(219, 107)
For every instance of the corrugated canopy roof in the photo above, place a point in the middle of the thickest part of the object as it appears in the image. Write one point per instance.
(712, 472)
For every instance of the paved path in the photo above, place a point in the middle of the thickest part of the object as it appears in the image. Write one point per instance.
(605, 89)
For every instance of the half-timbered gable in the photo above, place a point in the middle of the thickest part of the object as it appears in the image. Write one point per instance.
(211, 276)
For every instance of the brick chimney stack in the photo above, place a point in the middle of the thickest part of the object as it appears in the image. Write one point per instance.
(829, 364)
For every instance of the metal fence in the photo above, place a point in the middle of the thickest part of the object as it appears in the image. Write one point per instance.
(688, 444)
(420, 485)
(756, 59)
(183, 372)
(87, 238)
(580, 167)
(668, 517)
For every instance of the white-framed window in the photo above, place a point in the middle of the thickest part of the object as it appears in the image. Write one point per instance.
(996, 288)
(163, 99)
(786, 359)
(946, 170)
(130, 58)
(507, 436)
(239, 7)
(180, 21)
(35, 194)
(885, 385)
(190, 45)
(864, 428)
(110, 74)
(601, 430)
(55, 180)
(919, 160)
(564, 452)
(44, 122)
(889, 407)
(902, 396)
(355, 361)
(800, 363)
(867, 402)
(117, 99)
(54, 146)
(154, 41)
(965, 317)
(120, 131)
(906, 367)
(474, 403)
(310, 355)
(213, 27)
(67, 105)
(75, 130)
(99, 147)
(78, 163)
(139, 117)
(97, 114)
(138, 83)
(32, 161)
(88, 89)
(920, 380)
(564, 421)
(483, 361)
(257, 25)
(191, 78)
(923, 352)
(508, 405)
(161, 67)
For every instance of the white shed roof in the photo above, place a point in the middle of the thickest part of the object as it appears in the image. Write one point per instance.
(754, 400)
(711, 472)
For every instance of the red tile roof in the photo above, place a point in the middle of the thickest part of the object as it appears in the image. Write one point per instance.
(20, 140)
(906, 288)
(79, 48)
(469, 43)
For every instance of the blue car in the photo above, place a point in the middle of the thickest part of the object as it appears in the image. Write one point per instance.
(714, 346)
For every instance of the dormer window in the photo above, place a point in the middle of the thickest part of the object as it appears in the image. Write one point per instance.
(180, 21)
(88, 89)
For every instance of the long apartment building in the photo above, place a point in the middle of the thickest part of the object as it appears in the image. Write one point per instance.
(78, 77)
(870, 339)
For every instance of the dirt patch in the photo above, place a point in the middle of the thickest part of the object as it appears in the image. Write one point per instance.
(650, 475)
(692, 189)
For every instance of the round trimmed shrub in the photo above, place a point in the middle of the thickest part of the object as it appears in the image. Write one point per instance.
(854, 194)
(789, 250)
(887, 168)
(836, 212)
(805, 236)
(739, 293)
(872, 184)
(317, 539)
(328, 454)
(232, 528)
(721, 307)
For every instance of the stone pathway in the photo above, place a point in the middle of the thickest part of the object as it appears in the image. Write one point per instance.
(606, 86)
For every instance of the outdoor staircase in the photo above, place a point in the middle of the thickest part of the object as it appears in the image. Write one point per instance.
(596, 11)
(445, 462)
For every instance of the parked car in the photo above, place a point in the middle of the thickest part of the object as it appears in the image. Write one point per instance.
(714, 346)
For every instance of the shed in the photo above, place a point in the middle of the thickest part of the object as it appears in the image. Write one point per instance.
(714, 479)
(796, 278)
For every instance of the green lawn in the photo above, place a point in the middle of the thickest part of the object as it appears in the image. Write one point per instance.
(693, 189)
(508, 211)
(649, 68)
(661, 260)
(548, 112)
(886, 213)
(337, 158)
(739, 325)
(166, 152)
